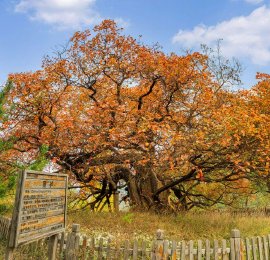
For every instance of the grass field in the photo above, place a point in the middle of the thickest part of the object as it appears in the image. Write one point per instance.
(195, 225)
(142, 226)
(188, 226)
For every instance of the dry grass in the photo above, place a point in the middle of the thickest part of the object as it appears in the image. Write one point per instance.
(26, 252)
(190, 226)
(2, 249)
(6, 205)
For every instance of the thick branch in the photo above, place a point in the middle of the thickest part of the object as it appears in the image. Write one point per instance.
(146, 94)
(173, 183)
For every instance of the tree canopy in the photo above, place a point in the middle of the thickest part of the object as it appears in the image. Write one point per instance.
(107, 108)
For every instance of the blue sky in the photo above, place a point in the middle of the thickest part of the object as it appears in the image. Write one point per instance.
(31, 29)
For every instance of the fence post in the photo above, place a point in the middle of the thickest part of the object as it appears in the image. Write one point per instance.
(235, 240)
(9, 255)
(157, 253)
(73, 243)
(52, 247)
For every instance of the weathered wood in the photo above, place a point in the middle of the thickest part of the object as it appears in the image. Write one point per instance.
(40, 207)
(13, 232)
(52, 247)
(235, 245)
(190, 249)
(215, 249)
(126, 250)
(76, 231)
(69, 243)
(62, 243)
(260, 248)
(183, 250)
(135, 250)
(143, 250)
(254, 248)
(73, 243)
(199, 250)
(232, 249)
(207, 249)
(248, 249)
(45, 183)
(173, 251)
(224, 250)
(159, 245)
(91, 253)
(265, 247)
(165, 254)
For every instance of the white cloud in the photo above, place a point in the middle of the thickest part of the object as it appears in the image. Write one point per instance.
(255, 2)
(60, 13)
(122, 23)
(243, 36)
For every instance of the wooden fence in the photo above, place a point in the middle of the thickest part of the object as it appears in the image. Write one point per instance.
(72, 246)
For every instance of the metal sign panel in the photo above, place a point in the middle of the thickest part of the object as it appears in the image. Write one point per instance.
(40, 207)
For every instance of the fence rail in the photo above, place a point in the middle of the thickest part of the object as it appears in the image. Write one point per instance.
(72, 246)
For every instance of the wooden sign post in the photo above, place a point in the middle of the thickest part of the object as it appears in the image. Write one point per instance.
(39, 211)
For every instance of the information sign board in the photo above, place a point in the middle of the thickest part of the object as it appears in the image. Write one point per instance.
(40, 207)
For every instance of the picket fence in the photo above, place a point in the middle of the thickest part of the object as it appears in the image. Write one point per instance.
(72, 246)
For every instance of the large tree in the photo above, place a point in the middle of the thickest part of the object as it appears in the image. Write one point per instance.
(106, 108)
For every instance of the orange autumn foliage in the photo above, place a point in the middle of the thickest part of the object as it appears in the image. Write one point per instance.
(110, 108)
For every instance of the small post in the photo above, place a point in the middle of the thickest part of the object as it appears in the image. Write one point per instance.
(159, 244)
(235, 253)
(9, 254)
(52, 247)
(76, 232)
(116, 201)
(73, 243)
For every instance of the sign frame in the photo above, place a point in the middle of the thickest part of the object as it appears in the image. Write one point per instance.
(13, 241)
